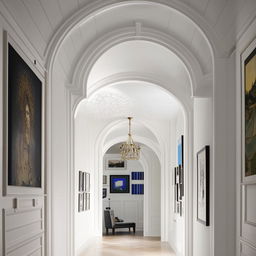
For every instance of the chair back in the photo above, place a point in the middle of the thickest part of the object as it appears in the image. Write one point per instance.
(109, 218)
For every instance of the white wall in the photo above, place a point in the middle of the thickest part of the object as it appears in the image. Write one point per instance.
(152, 190)
(128, 207)
(84, 161)
(176, 222)
(14, 235)
(150, 207)
(203, 121)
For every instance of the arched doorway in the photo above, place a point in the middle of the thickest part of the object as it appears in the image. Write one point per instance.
(79, 89)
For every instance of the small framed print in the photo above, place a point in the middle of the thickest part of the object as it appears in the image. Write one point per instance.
(84, 181)
(203, 184)
(180, 151)
(88, 203)
(87, 182)
(115, 164)
(80, 181)
(80, 202)
(105, 179)
(104, 193)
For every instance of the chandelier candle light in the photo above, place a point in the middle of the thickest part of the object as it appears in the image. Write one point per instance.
(129, 150)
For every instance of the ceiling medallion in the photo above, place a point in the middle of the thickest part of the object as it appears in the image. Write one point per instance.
(129, 150)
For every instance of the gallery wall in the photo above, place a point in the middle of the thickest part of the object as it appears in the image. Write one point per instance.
(176, 221)
(84, 161)
(205, 109)
(127, 206)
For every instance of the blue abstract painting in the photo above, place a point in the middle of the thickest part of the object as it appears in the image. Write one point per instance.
(119, 184)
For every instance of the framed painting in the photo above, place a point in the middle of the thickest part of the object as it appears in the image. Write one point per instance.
(23, 123)
(87, 182)
(88, 201)
(180, 150)
(80, 202)
(203, 186)
(249, 113)
(105, 179)
(104, 193)
(80, 181)
(119, 183)
(115, 164)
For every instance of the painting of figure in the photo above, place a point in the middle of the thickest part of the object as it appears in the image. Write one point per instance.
(250, 113)
(24, 123)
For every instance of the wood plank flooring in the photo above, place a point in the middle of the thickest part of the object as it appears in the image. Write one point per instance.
(125, 244)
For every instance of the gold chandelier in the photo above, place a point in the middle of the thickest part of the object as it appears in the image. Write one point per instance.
(129, 150)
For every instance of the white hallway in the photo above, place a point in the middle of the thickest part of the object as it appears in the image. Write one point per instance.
(175, 66)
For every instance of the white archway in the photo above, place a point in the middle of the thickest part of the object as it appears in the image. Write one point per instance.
(143, 161)
(74, 96)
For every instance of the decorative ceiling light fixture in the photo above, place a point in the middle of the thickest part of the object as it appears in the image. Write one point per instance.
(129, 150)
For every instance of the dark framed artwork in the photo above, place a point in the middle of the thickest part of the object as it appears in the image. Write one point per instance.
(104, 193)
(137, 175)
(23, 122)
(115, 164)
(80, 181)
(119, 183)
(203, 186)
(249, 113)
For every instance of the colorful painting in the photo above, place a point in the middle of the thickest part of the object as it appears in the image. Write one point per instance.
(137, 175)
(250, 113)
(203, 186)
(119, 184)
(138, 189)
(24, 120)
(181, 151)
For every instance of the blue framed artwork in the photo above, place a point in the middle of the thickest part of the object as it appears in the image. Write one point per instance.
(137, 189)
(181, 151)
(137, 175)
(119, 183)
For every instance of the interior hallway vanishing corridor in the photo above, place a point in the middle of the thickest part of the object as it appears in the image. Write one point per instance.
(128, 244)
(73, 71)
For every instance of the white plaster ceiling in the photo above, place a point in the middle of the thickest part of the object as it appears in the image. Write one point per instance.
(40, 19)
(132, 98)
(151, 16)
(141, 57)
(115, 149)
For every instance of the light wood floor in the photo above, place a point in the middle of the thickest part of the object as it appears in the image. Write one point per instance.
(125, 244)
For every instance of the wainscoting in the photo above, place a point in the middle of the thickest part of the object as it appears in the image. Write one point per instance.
(23, 228)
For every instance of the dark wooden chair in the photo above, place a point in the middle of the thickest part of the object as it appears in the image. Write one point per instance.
(110, 222)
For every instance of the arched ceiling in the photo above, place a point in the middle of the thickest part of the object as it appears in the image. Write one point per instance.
(40, 19)
(149, 16)
(140, 100)
(141, 57)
